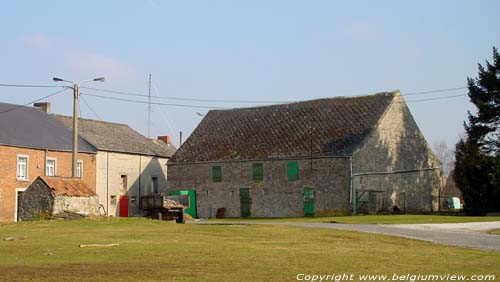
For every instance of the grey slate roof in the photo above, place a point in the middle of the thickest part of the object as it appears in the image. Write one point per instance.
(32, 128)
(117, 137)
(339, 126)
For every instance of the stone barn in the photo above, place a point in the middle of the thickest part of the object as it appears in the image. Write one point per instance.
(322, 157)
(49, 196)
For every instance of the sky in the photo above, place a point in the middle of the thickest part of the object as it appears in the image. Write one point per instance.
(261, 51)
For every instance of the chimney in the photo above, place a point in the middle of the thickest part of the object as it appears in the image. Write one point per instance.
(44, 106)
(165, 139)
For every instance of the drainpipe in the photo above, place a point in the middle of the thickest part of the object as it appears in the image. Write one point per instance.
(352, 188)
(139, 194)
(45, 162)
(107, 182)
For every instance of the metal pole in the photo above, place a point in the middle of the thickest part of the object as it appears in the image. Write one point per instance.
(180, 139)
(75, 129)
(149, 107)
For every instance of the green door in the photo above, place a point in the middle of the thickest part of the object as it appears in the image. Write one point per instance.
(308, 202)
(191, 210)
(245, 202)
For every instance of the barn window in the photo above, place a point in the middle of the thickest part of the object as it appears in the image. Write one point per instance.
(217, 173)
(50, 167)
(22, 167)
(293, 171)
(258, 172)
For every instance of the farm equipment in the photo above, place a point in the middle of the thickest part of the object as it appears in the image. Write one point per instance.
(163, 207)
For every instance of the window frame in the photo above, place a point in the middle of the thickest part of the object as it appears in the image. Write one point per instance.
(54, 159)
(81, 170)
(26, 170)
(153, 186)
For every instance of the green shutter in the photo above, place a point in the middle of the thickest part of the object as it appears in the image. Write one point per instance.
(293, 171)
(258, 172)
(217, 173)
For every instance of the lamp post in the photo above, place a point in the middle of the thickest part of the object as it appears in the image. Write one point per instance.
(76, 93)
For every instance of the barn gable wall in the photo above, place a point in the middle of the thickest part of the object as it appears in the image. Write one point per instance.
(397, 144)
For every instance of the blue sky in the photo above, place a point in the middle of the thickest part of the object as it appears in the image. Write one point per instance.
(247, 50)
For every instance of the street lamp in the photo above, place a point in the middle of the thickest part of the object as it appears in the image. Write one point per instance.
(76, 94)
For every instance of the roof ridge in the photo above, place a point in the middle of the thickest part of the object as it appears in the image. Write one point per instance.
(392, 92)
(94, 120)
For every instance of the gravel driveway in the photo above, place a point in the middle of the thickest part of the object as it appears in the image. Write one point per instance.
(467, 235)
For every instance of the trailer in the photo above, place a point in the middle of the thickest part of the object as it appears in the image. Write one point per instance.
(163, 207)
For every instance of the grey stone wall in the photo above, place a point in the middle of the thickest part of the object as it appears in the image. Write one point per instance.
(81, 205)
(395, 145)
(37, 201)
(274, 196)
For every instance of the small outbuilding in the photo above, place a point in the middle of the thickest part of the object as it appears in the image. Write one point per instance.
(49, 196)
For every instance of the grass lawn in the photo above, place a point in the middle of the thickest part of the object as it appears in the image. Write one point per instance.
(164, 251)
(495, 232)
(380, 219)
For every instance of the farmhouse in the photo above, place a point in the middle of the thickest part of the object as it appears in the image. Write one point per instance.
(128, 164)
(320, 157)
(32, 144)
(49, 196)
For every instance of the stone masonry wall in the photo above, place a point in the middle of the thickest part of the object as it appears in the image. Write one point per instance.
(274, 196)
(81, 205)
(36, 201)
(397, 144)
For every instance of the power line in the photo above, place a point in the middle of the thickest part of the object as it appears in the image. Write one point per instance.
(436, 98)
(90, 108)
(182, 99)
(153, 103)
(31, 86)
(434, 91)
(37, 100)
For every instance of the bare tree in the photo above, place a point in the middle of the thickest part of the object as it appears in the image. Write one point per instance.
(446, 155)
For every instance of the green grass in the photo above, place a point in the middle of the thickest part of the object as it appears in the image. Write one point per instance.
(495, 232)
(379, 219)
(164, 251)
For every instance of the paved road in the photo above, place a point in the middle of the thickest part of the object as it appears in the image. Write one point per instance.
(467, 235)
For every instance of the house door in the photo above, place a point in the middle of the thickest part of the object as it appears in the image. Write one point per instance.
(124, 206)
(309, 202)
(245, 202)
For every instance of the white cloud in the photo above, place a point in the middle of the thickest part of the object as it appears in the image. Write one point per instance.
(81, 63)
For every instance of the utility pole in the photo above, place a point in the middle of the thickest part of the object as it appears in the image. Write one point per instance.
(76, 93)
(149, 107)
(180, 139)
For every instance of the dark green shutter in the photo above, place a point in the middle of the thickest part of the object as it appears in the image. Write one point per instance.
(217, 173)
(293, 171)
(258, 172)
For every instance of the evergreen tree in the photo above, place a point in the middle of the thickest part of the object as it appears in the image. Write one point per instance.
(477, 167)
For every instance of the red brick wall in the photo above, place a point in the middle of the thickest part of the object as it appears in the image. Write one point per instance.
(36, 167)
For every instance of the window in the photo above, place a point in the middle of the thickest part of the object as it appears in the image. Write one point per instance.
(112, 199)
(292, 169)
(22, 167)
(79, 169)
(154, 184)
(258, 172)
(124, 183)
(50, 167)
(216, 173)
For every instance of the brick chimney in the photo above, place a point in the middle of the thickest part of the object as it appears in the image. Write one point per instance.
(165, 139)
(44, 106)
